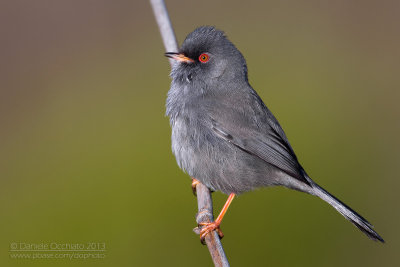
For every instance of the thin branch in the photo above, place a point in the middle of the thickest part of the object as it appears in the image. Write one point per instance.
(165, 26)
(204, 199)
(205, 214)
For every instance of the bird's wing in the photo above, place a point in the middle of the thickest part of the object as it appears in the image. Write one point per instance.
(258, 134)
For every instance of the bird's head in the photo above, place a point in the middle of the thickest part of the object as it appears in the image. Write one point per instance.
(207, 54)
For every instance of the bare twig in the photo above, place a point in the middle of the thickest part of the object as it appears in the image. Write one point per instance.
(205, 214)
(165, 26)
(204, 199)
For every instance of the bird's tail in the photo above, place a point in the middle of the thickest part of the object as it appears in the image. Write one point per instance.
(347, 212)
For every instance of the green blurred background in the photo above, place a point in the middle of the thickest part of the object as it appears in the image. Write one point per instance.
(85, 146)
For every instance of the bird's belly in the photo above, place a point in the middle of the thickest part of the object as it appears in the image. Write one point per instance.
(218, 164)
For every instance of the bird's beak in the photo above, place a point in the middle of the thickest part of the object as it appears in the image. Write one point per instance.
(179, 57)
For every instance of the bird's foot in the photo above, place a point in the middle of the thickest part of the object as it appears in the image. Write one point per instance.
(208, 228)
(195, 182)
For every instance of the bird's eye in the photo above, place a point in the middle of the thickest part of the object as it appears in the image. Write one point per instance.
(204, 58)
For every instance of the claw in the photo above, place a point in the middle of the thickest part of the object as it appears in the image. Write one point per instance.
(208, 228)
(195, 182)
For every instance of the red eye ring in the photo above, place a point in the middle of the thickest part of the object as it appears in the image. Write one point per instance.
(204, 58)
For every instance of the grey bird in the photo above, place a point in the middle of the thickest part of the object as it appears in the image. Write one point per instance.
(224, 136)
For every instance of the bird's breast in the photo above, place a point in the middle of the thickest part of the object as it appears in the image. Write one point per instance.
(188, 138)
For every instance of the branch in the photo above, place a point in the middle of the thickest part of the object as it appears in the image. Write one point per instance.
(165, 26)
(205, 214)
(204, 199)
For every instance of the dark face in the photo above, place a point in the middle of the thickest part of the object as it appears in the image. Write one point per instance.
(206, 55)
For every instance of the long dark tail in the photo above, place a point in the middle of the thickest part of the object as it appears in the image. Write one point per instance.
(347, 212)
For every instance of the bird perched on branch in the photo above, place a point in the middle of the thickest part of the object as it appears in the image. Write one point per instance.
(224, 136)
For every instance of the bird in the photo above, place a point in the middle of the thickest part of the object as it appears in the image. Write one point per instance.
(222, 133)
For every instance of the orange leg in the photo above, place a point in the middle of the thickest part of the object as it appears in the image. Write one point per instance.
(209, 227)
(195, 182)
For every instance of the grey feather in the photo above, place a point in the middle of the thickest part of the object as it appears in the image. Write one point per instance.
(222, 132)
